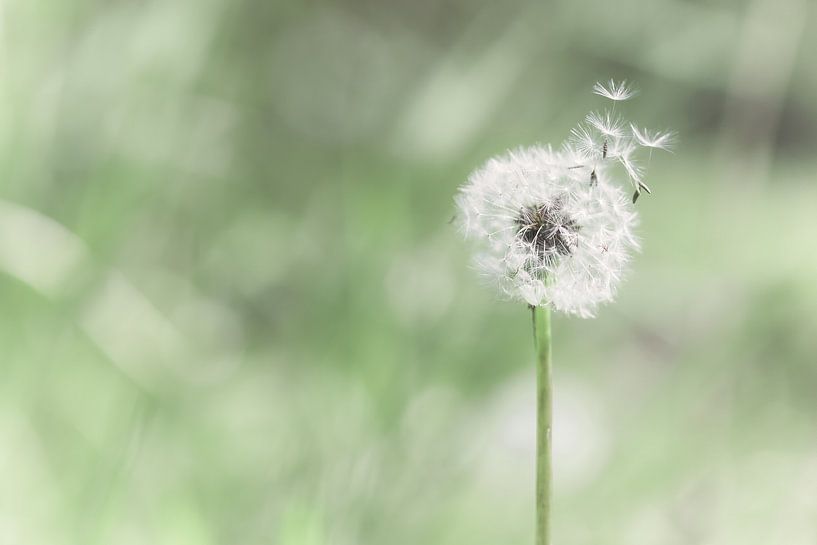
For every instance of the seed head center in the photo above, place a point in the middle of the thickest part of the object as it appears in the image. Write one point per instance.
(548, 230)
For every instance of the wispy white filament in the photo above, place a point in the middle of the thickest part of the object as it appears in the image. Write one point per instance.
(615, 91)
(653, 139)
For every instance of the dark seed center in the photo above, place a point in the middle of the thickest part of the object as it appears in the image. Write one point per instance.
(548, 229)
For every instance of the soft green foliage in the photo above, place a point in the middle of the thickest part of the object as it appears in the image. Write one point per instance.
(234, 310)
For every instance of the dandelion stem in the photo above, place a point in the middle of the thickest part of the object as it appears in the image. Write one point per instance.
(544, 414)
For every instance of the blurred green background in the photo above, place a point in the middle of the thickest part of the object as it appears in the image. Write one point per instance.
(234, 310)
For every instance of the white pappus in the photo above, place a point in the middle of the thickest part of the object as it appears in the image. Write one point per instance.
(551, 227)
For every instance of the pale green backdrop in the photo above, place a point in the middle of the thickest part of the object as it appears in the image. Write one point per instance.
(234, 311)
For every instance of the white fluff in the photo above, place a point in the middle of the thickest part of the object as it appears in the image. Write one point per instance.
(552, 227)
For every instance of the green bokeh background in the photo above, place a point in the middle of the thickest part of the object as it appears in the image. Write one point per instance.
(234, 311)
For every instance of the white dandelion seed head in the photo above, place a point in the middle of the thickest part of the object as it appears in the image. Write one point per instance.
(555, 227)
(616, 91)
(545, 236)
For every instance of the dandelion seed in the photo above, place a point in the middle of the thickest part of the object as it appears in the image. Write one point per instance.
(607, 123)
(615, 91)
(621, 147)
(654, 139)
(586, 143)
(634, 171)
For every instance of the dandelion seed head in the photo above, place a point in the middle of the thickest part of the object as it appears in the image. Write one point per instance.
(556, 228)
(544, 235)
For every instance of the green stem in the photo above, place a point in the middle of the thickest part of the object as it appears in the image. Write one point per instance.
(544, 416)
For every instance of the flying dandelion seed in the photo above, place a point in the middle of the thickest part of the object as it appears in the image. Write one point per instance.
(654, 139)
(586, 143)
(615, 91)
(607, 123)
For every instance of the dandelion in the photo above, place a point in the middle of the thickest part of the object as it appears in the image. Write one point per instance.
(555, 229)
(653, 139)
(545, 235)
